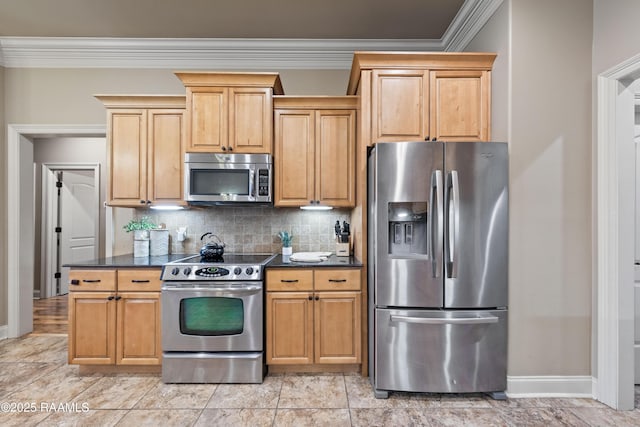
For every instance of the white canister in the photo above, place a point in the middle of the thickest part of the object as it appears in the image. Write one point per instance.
(159, 243)
(140, 248)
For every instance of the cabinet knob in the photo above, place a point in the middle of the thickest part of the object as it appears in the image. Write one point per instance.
(111, 298)
(427, 138)
(317, 298)
(143, 202)
(74, 282)
(224, 148)
(310, 297)
(230, 148)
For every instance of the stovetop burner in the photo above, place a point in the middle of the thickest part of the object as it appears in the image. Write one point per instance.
(229, 267)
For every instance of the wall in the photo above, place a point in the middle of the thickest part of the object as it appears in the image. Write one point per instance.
(616, 36)
(243, 229)
(65, 96)
(550, 150)
(66, 150)
(3, 206)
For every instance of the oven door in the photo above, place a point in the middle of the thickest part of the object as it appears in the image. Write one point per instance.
(212, 317)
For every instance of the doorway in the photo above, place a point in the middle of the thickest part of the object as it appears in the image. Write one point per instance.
(614, 285)
(70, 227)
(20, 243)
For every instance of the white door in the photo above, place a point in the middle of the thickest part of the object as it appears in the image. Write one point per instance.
(78, 213)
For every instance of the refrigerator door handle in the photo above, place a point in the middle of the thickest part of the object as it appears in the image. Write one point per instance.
(435, 237)
(453, 224)
(446, 321)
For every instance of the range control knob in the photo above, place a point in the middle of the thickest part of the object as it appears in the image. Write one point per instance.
(237, 271)
(175, 271)
(187, 271)
(249, 271)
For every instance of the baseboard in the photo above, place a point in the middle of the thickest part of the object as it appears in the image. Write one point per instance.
(4, 332)
(550, 386)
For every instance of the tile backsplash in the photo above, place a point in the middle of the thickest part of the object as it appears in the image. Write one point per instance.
(244, 229)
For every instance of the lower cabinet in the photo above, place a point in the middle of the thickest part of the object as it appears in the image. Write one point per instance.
(309, 325)
(114, 317)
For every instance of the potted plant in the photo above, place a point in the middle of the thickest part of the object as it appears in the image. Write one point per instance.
(286, 238)
(140, 228)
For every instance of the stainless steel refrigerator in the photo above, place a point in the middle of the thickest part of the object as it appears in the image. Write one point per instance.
(437, 273)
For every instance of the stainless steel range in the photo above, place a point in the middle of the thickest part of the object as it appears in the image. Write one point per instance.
(212, 319)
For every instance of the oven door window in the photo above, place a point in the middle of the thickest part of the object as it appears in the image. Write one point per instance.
(215, 182)
(211, 316)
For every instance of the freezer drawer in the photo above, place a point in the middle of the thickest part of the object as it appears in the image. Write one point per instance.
(440, 351)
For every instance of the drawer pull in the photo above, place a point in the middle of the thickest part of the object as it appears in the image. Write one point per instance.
(338, 280)
(139, 281)
(91, 280)
(289, 281)
(75, 282)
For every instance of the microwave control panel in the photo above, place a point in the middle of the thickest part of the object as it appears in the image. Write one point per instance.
(263, 182)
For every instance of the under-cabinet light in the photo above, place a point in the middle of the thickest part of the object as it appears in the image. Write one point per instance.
(167, 207)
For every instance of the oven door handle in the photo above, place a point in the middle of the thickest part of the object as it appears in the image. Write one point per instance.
(231, 292)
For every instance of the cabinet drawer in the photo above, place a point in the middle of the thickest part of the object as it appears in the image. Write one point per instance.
(290, 280)
(339, 279)
(92, 280)
(139, 280)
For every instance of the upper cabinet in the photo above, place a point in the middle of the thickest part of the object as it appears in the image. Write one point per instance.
(418, 96)
(145, 149)
(229, 112)
(314, 159)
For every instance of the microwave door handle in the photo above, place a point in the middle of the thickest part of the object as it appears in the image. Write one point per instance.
(252, 184)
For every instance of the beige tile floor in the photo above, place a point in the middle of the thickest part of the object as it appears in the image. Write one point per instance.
(34, 375)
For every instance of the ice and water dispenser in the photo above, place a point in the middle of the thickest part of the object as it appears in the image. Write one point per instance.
(408, 228)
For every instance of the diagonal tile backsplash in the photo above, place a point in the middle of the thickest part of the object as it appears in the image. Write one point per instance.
(245, 229)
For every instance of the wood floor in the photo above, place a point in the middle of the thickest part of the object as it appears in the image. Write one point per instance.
(50, 315)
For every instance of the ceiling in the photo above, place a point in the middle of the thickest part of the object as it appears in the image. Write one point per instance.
(229, 34)
(297, 19)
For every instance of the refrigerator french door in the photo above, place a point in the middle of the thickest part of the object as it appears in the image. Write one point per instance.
(438, 233)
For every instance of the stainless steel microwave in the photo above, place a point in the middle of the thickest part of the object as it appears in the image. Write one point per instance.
(218, 179)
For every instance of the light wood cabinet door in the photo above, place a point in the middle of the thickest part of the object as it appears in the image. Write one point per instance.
(165, 156)
(294, 157)
(250, 120)
(399, 105)
(335, 157)
(138, 329)
(92, 328)
(460, 105)
(127, 156)
(337, 327)
(315, 157)
(289, 328)
(207, 119)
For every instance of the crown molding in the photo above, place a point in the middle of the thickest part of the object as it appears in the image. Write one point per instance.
(471, 17)
(220, 54)
(229, 54)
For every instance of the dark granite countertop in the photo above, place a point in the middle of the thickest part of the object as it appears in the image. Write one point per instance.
(124, 261)
(333, 261)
